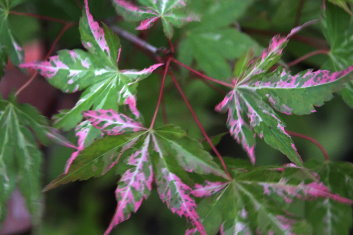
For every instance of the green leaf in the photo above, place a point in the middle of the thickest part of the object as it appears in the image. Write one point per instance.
(189, 154)
(13, 50)
(338, 30)
(344, 4)
(98, 159)
(328, 216)
(212, 41)
(20, 157)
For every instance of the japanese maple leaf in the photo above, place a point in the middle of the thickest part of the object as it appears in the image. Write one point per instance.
(95, 72)
(168, 11)
(8, 45)
(20, 158)
(257, 93)
(258, 200)
(162, 155)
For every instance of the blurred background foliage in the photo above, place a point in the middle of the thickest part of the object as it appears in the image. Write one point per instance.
(85, 208)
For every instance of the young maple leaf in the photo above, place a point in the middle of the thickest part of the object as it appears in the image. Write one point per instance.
(20, 157)
(162, 155)
(258, 93)
(261, 195)
(168, 11)
(95, 72)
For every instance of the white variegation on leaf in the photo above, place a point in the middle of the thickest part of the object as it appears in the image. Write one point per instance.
(94, 72)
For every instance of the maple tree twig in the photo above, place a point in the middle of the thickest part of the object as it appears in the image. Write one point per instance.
(138, 41)
(310, 54)
(48, 18)
(161, 91)
(57, 39)
(312, 140)
(201, 74)
(199, 124)
(311, 41)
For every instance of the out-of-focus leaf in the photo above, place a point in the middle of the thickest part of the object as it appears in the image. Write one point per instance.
(326, 215)
(338, 30)
(212, 41)
(344, 4)
(20, 157)
(7, 41)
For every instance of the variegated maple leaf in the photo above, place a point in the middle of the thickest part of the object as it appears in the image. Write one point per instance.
(258, 93)
(258, 201)
(95, 72)
(168, 11)
(162, 155)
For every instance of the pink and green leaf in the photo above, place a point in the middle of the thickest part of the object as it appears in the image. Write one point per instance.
(250, 105)
(165, 10)
(98, 158)
(111, 122)
(97, 40)
(173, 191)
(134, 186)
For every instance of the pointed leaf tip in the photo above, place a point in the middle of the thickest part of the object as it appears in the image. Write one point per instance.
(134, 186)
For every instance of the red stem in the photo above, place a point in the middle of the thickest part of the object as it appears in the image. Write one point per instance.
(41, 17)
(312, 140)
(164, 111)
(166, 69)
(310, 54)
(199, 124)
(57, 39)
(201, 74)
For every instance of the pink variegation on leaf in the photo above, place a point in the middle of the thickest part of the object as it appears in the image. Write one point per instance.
(111, 122)
(179, 201)
(97, 32)
(146, 24)
(134, 186)
(302, 191)
(208, 189)
(82, 132)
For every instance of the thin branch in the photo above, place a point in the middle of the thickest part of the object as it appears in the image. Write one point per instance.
(166, 69)
(197, 121)
(311, 41)
(312, 140)
(310, 54)
(138, 41)
(201, 74)
(48, 18)
(31, 79)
